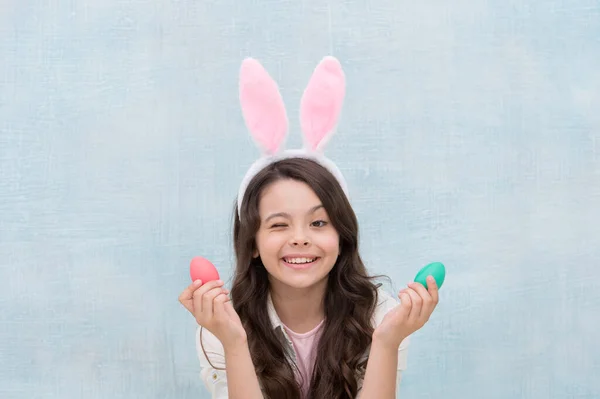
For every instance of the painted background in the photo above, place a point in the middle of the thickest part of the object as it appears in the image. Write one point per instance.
(470, 135)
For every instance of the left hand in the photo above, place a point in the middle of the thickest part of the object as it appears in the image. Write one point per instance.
(417, 304)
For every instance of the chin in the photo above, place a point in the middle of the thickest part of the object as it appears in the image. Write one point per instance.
(300, 283)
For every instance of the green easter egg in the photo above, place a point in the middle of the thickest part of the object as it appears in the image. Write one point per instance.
(435, 269)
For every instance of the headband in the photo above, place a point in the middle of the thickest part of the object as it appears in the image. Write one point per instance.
(265, 116)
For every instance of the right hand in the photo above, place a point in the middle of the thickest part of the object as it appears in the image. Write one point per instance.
(212, 309)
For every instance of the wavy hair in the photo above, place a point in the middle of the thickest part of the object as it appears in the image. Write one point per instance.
(350, 298)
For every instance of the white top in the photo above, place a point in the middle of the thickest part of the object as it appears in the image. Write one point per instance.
(216, 380)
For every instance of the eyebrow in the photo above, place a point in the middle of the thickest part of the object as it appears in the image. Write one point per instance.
(287, 215)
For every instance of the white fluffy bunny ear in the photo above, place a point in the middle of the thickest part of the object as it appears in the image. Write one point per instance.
(321, 103)
(262, 106)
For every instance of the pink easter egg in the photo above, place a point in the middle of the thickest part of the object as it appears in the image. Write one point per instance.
(202, 269)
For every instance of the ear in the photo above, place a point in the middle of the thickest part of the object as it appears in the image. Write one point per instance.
(321, 103)
(262, 106)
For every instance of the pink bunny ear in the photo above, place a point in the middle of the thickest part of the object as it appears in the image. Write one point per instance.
(322, 103)
(262, 106)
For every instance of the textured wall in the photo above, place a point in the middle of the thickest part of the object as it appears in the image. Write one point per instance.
(470, 135)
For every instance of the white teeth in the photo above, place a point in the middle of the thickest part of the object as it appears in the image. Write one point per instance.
(299, 260)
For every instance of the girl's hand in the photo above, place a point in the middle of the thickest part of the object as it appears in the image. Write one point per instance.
(417, 304)
(212, 309)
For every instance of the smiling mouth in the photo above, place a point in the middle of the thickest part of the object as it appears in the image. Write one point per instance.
(300, 263)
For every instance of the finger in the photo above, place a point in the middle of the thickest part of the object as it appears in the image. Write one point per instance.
(186, 296)
(433, 289)
(417, 303)
(207, 301)
(405, 304)
(207, 287)
(417, 287)
(427, 301)
(200, 291)
(219, 305)
(187, 293)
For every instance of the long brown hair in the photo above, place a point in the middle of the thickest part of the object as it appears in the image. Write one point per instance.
(350, 298)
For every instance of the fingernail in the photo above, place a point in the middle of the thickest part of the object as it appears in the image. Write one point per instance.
(197, 282)
(219, 281)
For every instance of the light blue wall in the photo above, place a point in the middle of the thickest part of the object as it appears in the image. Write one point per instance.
(470, 135)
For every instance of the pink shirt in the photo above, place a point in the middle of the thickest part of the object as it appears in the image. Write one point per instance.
(305, 346)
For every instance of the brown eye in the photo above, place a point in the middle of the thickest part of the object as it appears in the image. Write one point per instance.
(319, 223)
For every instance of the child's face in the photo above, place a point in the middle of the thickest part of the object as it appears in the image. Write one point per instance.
(296, 241)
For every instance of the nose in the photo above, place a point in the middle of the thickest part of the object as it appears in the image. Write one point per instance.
(300, 243)
(299, 239)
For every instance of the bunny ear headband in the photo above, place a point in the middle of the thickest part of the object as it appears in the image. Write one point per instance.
(266, 118)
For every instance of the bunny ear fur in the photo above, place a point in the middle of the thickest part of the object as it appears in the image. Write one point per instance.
(262, 106)
(266, 119)
(321, 103)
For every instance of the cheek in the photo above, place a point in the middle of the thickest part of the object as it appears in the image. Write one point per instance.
(331, 243)
(269, 244)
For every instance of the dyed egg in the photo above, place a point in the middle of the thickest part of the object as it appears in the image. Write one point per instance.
(202, 269)
(435, 269)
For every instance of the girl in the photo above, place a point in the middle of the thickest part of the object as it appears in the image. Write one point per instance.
(305, 319)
